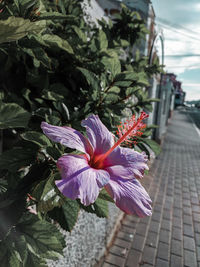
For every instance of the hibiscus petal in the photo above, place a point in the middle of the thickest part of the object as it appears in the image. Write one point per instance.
(99, 136)
(79, 180)
(126, 163)
(130, 196)
(68, 137)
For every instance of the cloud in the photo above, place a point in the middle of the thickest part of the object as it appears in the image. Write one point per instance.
(178, 50)
(192, 84)
(191, 92)
(181, 29)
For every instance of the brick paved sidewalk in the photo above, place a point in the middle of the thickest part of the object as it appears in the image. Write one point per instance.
(171, 237)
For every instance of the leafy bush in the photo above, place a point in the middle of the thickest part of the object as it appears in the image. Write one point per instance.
(56, 67)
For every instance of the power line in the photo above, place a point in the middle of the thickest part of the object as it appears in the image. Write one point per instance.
(176, 25)
(189, 67)
(178, 31)
(184, 55)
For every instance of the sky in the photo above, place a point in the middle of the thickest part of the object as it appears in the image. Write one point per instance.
(179, 20)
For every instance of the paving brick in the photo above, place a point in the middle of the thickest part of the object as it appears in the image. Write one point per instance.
(167, 214)
(187, 219)
(177, 247)
(163, 251)
(138, 242)
(187, 210)
(125, 236)
(154, 226)
(141, 229)
(186, 202)
(143, 264)
(177, 233)
(196, 217)
(197, 239)
(145, 220)
(133, 258)
(190, 258)
(193, 192)
(177, 212)
(176, 222)
(177, 204)
(196, 208)
(116, 260)
(198, 253)
(161, 263)
(176, 261)
(166, 224)
(119, 251)
(149, 255)
(152, 239)
(188, 243)
(121, 243)
(129, 223)
(105, 264)
(156, 216)
(197, 227)
(168, 205)
(164, 236)
(132, 218)
(127, 229)
(188, 230)
(195, 200)
(186, 195)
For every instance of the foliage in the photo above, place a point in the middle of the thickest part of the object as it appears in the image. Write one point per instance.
(58, 68)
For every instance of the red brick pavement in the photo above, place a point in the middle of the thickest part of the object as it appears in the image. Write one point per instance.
(171, 236)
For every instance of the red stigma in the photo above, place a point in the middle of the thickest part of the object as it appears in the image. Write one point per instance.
(133, 127)
(130, 129)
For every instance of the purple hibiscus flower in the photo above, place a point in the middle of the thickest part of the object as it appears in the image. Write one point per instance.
(103, 164)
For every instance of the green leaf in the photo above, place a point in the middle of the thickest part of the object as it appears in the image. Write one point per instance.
(66, 215)
(17, 158)
(43, 237)
(36, 137)
(143, 79)
(103, 41)
(127, 76)
(99, 207)
(53, 40)
(39, 55)
(3, 185)
(124, 43)
(155, 147)
(62, 108)
(123, 83)
(53, 152)
(132, 90)
(90, 77)
(13, 116)
(14, 28)
(113, 94)
(46, 195)
(143, 148)
(30, 243)
(105, 196)
(10, 214)
(49, 95)
(112, 62)
(80, 33)
(55, 16)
